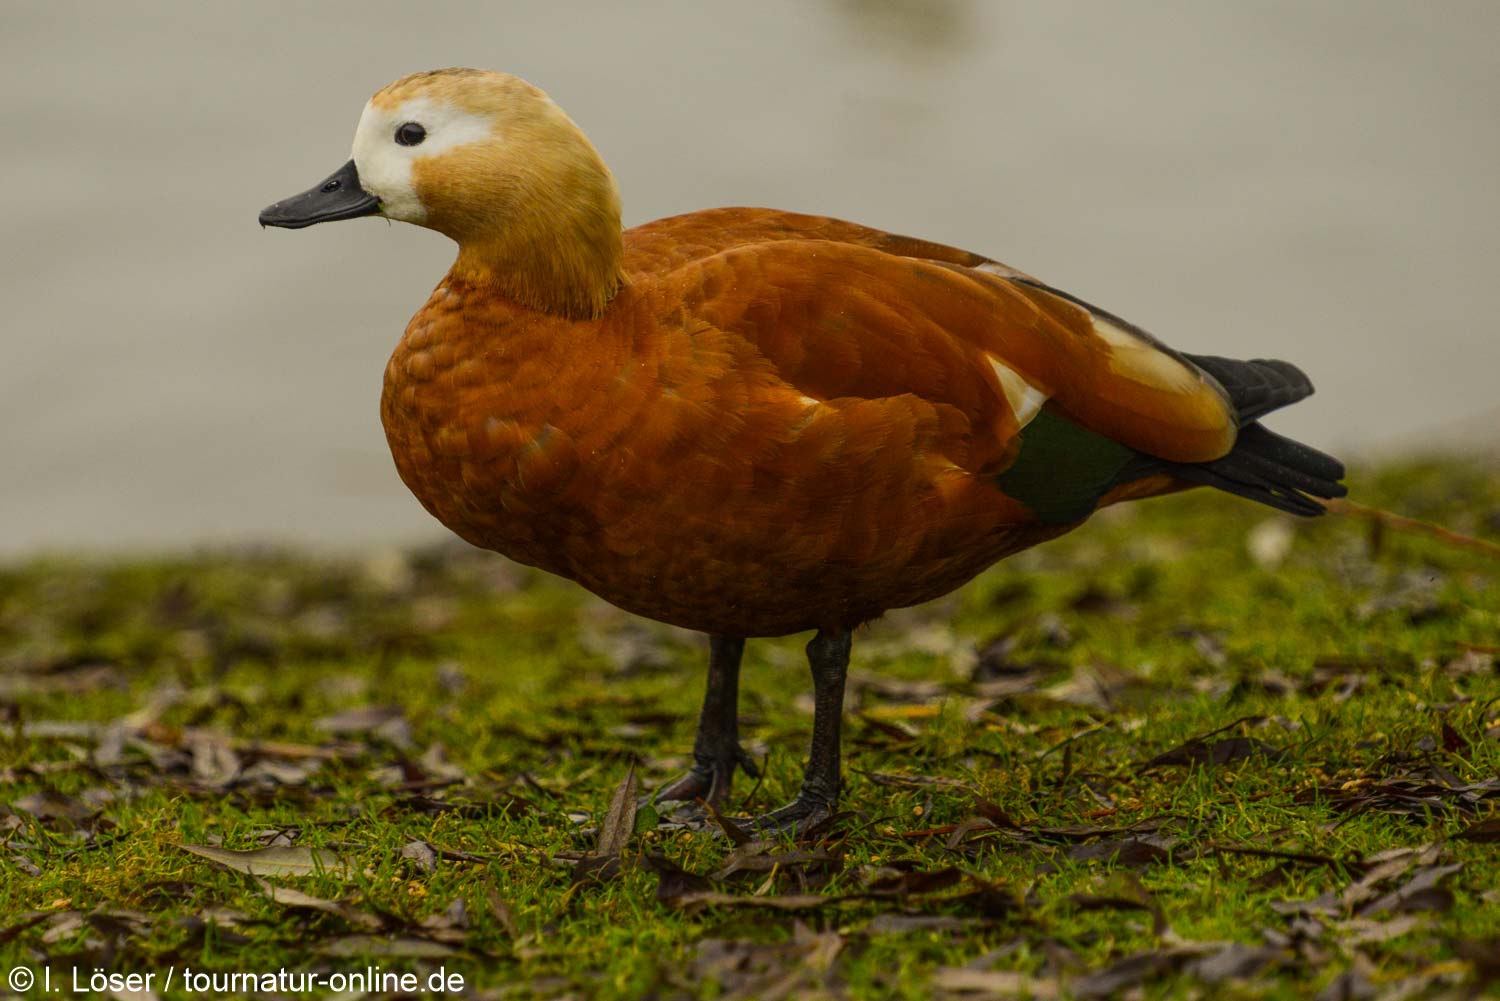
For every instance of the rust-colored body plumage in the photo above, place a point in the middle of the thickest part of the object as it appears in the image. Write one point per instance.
(778, 423)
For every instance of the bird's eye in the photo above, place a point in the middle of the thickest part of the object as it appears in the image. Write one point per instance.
(410, 133)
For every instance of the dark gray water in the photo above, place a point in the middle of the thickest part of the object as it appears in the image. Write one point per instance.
(1316, 181)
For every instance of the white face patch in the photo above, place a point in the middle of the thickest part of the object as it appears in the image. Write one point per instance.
(1025, 399)
(385, 166)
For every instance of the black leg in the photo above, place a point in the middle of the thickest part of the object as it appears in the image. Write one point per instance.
(828, 656)
(716, 751)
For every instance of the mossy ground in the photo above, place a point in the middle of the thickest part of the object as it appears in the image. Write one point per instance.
(206, 700)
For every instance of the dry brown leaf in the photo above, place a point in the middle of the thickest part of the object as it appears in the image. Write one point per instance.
(1236, 961)
(793, 902)
(996, 983)
(385, 722)
(673, 881)
(289, 897)
(1131, 852)
(23, 922)
(759, 856)
(1128, 972)
(903, 884)
(49, 804)
(294, 861)
(603, 863)
(1362, 931)
(619, 823)
(1219, 752)
(1484, 832)
(736, 834)
(1420, 893)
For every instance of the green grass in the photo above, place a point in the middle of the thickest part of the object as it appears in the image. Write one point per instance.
(1366, 662)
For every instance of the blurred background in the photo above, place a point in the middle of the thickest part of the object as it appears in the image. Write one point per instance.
(1314, 181)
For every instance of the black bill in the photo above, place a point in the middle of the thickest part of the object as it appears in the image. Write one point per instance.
(339, 197)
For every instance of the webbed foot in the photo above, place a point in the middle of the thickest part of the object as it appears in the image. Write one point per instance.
(709, 780)
(797, 817)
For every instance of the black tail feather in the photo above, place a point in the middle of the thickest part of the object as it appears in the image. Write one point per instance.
(1263, 466)
(1256, 387)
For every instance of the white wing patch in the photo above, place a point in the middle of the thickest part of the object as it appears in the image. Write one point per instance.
(1139, 361)
(1025, 399)
(1003, 270)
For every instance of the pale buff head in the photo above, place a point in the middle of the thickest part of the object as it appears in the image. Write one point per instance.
(489, 160)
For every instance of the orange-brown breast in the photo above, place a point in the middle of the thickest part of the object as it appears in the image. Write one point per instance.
(779, 423)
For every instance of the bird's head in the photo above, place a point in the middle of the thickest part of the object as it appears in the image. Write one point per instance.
(491, 161)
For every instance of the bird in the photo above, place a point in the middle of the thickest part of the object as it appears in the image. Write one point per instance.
(754, 423)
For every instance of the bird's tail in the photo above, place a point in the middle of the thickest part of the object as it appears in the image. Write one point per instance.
(1262, 466)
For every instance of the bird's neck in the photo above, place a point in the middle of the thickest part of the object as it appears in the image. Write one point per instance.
(565, 257)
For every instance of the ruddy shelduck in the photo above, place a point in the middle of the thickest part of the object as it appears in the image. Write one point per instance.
(750, 422)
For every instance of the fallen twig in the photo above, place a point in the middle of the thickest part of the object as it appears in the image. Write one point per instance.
(1401, 523)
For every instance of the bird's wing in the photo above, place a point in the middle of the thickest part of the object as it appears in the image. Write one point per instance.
(840, 320)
